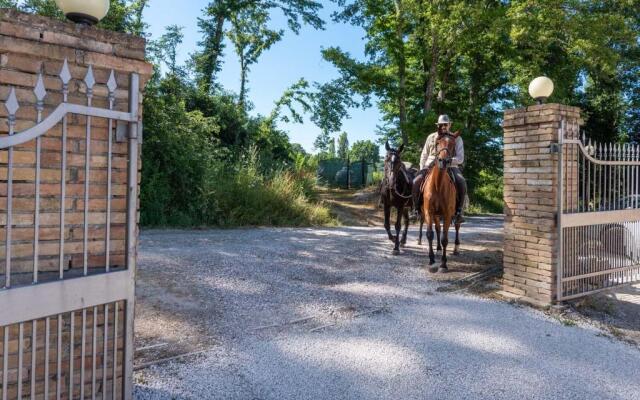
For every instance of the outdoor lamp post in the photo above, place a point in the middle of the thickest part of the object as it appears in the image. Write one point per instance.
(541, 88)
(86, 12)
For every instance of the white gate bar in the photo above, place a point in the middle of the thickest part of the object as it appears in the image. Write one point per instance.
(56, 116)
(600, 217)
(59, 297)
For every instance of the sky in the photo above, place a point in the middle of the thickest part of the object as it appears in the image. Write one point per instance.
(295, 57)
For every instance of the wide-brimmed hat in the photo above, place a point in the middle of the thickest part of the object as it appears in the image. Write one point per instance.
(443, 119)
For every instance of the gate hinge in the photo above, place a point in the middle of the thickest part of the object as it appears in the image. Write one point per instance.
(555, 147)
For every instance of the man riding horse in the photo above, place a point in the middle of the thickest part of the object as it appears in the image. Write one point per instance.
(427, 161)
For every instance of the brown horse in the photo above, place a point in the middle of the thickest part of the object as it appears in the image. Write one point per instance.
(395, 191)
(439, 200)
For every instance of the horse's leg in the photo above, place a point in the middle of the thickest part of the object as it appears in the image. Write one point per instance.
(456, 249)
(396, 248)
(387, 223)
(405, 214)
(420, 234)
(432, 256)
(446, 222)
(438, 236)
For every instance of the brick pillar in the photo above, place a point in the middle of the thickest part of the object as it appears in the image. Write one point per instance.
(29, 45)
(531, 199)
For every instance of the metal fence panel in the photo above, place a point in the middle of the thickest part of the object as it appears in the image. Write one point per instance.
(73, 327)
(598, 215)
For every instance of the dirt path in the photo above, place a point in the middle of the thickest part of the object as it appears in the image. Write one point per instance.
(330, 313)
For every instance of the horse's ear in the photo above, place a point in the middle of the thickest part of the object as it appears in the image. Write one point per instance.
(386, 146)
(401, 148)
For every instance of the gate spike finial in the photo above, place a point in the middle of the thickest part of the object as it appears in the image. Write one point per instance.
(90, 81)
(40, 91)
(12, 105)
(65, 74)
(112, 85)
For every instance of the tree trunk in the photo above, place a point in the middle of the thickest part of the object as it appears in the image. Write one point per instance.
(402, 75)
(243, 82)
(214, 47)
(433, 70)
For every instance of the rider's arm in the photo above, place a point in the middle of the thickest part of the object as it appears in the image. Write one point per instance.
(459, 157)
(426, 157)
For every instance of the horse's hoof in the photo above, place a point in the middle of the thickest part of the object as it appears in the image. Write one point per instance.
(443, 270)
(419, 242)
(392, 238)
(433, 270)
(431, 262)
(439, 249)
(395, 252)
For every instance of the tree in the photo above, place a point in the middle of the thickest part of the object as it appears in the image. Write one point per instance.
(250, 37)
(343, 146)
(165, 49)
(219, 12)
(323, 143)
(332, 148)
(365, 150)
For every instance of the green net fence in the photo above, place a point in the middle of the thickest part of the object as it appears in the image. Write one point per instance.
(344, 174)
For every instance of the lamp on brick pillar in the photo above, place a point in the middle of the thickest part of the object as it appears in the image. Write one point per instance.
(541, 89)
(86, 12)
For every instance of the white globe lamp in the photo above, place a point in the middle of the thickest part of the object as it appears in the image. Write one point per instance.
(541, 89)
(87, 12)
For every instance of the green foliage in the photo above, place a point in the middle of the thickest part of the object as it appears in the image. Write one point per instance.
(343, 146)
(488, 195)
(365, 150)
(251, 37)
(207, 61)
(331, 151)
(207, 162)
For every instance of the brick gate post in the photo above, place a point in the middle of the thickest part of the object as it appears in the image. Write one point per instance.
(531, 200)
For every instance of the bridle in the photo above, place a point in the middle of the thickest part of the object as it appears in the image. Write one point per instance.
(446, 149)
(403, 172)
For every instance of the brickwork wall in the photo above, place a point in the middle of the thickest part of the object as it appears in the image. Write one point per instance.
(30, 45)
(531, 199)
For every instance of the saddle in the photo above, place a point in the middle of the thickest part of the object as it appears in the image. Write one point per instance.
(450, 173)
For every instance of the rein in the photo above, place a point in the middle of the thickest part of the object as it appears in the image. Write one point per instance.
(395, 187)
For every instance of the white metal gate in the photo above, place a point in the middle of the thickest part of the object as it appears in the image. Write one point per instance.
(68, 333)
(598, 216)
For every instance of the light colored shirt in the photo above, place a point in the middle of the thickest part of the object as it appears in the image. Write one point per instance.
(429, 152)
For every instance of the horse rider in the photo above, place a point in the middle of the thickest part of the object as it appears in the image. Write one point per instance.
(427, 161)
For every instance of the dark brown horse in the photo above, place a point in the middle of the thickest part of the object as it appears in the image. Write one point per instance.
(439, 194)
(395, 191)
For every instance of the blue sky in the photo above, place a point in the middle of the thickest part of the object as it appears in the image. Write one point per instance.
(294, 57)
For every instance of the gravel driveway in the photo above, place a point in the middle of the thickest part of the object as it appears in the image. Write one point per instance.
(331, 314)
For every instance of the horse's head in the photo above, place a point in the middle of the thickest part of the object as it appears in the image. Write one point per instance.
(392, 162)
(445, 149)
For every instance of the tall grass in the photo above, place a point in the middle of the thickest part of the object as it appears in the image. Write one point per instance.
(244, 193)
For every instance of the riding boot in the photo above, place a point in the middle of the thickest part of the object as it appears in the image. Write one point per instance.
(461, 194)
